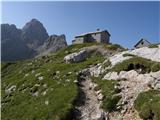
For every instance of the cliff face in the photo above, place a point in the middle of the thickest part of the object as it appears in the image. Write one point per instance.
(52, 44)
(34, 34)
(28, 42)
(13, 48)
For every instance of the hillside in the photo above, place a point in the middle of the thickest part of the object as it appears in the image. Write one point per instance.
(84, 81)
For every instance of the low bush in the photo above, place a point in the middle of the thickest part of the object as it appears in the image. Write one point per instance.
(110, 101)
(148, 105)
(134, 63)
(128, 54)
(153, 46)
(113, 47)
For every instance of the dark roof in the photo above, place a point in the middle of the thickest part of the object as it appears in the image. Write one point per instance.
(100, 31)
(141, 41)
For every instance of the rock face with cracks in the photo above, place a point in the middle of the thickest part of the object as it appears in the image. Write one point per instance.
(76, 57)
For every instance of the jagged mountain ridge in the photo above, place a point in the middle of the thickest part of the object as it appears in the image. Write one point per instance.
(13, 48)
(50, 43)
(25, 43)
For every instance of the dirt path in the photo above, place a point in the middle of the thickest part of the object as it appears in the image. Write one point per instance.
(90, 106)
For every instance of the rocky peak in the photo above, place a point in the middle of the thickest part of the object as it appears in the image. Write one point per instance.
(9, 31)
(53, 44)
(54, 40)
(34, 34)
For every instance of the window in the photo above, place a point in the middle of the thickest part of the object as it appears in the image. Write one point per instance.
(142, 43)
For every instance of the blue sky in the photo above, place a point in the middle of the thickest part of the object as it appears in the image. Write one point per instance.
(127, 22)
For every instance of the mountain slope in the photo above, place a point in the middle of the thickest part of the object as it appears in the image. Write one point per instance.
(13, 47)
(70, 85)
(42, 88)
(30, 41)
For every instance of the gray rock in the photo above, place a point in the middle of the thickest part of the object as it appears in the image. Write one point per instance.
(34, 34)
(12, 46)
(52, 44)
(10, 89)
(76, 57)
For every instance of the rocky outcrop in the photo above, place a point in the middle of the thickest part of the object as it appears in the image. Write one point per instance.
(52, 44)
(76, 57)
(149, 53)
(12, 47)
(131, 83)
(34, 34)
(30, 41)
(145, 52)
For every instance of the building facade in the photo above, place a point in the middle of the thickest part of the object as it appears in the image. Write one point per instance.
(142, 43)
(100, 36)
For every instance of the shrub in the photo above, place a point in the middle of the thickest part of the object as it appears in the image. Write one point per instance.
(128, 54)
(113, 47)
(134, 63)
(110, 101)
(148, 105)
(153, 46)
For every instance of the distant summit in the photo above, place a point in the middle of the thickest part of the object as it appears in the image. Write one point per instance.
(34, 34)
(25, 43)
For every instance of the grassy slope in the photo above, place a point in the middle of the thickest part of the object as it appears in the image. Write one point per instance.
(22, 105)
(108, 90)
(137, 63)
(148, 105)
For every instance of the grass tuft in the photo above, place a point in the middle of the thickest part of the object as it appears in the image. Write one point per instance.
(137, 63)
(153, 46)
(148, 105)
(110, 101)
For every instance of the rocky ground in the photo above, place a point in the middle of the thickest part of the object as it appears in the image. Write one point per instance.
(90, 110)
(131, 85)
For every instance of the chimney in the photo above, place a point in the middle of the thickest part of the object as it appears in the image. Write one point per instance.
(98, 29)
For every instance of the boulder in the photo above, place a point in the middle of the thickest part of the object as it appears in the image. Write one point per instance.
(10, 89)
(98, 116)
(76, 57)
(118, 58)
(111, 76)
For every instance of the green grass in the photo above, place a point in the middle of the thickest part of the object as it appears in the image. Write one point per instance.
(148, 105)
(128, 54)
(153, 46)
(110, 101)
(21, 104)
(113, 47)
(137, 63)
(73, 48)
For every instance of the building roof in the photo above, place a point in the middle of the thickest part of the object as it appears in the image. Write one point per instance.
(141, 41)
(98, 31)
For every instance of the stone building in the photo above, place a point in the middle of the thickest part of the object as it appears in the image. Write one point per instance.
(142, 43)
(100, 36)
